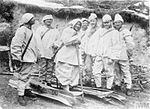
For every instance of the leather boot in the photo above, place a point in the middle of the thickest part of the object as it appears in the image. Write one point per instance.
(28, 93)
(128, 92)
(22, 100)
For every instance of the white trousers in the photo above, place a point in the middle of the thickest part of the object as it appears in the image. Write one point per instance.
(124, 66)
(67, 74)
(23, 77)
(108, 73)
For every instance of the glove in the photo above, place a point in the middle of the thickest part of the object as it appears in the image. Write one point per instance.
(16, 63)
(76, 42)
(55, 46)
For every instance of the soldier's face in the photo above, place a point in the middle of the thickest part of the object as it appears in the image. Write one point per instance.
(32, 21)
(77, 26)
(93, 22)
(48, 22)
(85, 24)
(107, 24)
(117, 24)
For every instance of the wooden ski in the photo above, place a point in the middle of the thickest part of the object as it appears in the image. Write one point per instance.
(67, 98)
(104, 94)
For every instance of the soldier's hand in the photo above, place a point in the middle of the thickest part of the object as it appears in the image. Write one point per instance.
(76, 42)
(55, 47)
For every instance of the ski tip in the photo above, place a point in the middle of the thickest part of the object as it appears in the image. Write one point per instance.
(76, 93)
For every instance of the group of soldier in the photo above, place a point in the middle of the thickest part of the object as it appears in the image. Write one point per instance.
(82, 44)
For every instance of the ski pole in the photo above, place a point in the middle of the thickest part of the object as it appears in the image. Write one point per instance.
(80, 71)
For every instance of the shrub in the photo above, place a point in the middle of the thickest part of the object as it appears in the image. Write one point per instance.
(6, 11)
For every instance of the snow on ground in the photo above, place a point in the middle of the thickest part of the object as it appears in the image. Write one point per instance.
(77, 7)
(146, 3)
(140, 10)
(40, 3)
(43, 3)
(138, 14)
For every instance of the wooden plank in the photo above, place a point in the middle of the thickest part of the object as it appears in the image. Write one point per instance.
(54, 97)
(4, 48)
(6, 73)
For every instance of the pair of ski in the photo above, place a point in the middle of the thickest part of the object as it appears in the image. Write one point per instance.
(74, 96)
(70, 98)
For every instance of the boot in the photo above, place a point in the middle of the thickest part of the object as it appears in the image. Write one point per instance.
(116, 88)
(22, 100)
(66, 88)
(128, 92)
(28, 93)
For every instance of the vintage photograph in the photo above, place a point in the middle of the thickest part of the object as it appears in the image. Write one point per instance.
(74, 54)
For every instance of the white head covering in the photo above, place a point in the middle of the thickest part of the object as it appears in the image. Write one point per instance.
(118, 17)
(92, 16)
(106, 18)
(84, 19)
(73, 22)
(46, 17)
(26, 18)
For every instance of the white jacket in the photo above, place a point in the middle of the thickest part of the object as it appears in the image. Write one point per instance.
(105, 43)
(127, 38)
(46, 42)
(19, 42)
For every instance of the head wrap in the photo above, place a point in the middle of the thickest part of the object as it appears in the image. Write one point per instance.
(26, 18)
(106, 18)
(92, 16)
(46, 17)
(73, 22)
(118, 17)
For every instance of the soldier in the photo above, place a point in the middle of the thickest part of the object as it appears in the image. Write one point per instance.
(47, 37)
(88, 59)
(85, 24)
(24, 51)
(106, 47)
(67, 68)
(128, 44)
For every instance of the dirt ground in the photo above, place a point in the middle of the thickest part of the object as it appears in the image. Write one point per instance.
(8, 100)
